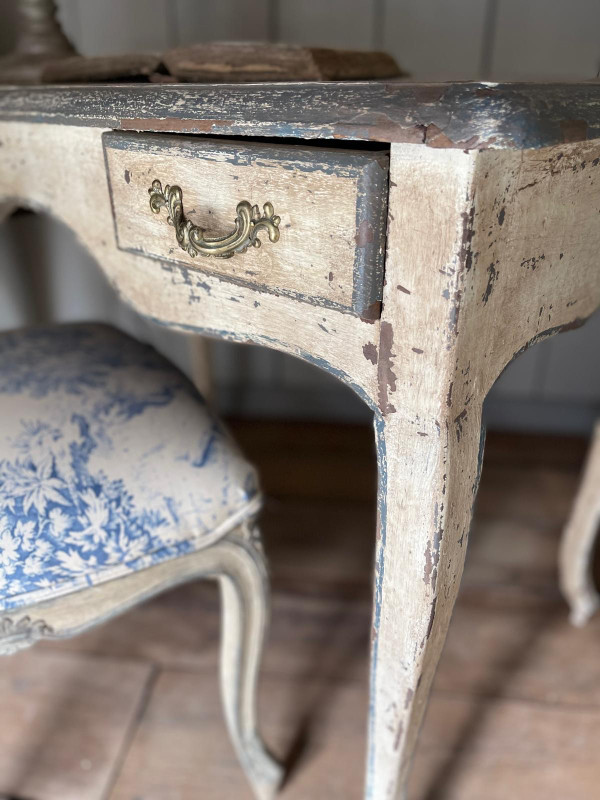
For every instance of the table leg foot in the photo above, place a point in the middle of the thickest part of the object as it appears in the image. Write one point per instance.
(428, 480)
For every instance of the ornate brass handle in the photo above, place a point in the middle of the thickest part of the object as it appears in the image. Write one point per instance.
(193, 239)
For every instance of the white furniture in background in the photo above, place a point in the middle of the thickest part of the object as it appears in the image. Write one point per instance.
(579, 540)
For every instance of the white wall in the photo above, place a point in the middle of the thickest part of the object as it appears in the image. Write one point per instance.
(555, 386)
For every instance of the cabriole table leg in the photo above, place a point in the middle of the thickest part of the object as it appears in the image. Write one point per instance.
(428, 485)
(483, 261)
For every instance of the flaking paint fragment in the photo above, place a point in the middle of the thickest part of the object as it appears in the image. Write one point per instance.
(386, 376)
(370, 352)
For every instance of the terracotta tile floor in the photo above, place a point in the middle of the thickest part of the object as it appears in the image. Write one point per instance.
(131, 711)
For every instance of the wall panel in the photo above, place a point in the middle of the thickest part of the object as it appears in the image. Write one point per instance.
(574, 365)
(112, 27)
(546, 40)
(326, 23)
(68, 16)
(225, 20)
(436, 39)
(522, 378)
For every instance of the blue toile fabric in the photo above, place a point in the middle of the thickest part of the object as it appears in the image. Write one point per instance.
(110, 463)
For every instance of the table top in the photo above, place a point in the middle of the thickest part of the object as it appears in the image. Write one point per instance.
(460, 115)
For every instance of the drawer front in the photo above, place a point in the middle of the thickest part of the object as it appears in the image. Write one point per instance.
(331, 206)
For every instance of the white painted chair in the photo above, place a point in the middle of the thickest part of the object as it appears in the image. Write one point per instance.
(579, 538)
(116, 483)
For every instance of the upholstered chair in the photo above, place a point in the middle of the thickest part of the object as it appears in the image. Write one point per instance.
(579, 539)
(116, 483)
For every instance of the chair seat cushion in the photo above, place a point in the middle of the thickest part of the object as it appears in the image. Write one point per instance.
(110, 462)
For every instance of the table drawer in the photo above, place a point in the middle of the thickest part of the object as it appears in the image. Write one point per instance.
(324, 242)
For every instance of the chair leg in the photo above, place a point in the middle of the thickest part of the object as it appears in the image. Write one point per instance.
(577, 545)
(245, 598)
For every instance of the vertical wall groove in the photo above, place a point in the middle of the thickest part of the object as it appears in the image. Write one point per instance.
(379, 9)
(273, 21)
(172, 24)
(486, 64)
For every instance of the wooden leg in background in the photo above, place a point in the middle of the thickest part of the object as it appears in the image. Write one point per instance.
(579, 537)
(428, 473)
(199, 348)
(245, 598)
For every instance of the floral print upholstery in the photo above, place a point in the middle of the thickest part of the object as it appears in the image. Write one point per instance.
(109, 462)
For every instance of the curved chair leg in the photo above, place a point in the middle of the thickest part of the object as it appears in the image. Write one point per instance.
(237, 561)
(244, 591)
(577, 544)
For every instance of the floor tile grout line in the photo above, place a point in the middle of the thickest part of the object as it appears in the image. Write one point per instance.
(132, 729)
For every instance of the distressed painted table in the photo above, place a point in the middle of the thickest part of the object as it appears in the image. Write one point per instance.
(492, 200)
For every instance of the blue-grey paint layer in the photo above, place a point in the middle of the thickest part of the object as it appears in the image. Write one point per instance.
(465, 115)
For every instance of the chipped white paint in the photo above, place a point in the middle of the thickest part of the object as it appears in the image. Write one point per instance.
(322, 244)
(487, 252)
(50, 179)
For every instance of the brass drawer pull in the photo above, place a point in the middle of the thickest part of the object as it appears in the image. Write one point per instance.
(193, 239)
